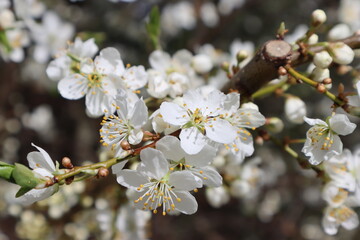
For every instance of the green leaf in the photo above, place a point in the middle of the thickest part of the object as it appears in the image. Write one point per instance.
(24, 177)
(153, 27)
(22, 191)
(4, 41)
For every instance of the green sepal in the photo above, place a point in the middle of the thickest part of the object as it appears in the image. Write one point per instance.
(24, 177)
(22, 191)
(153, 27)
(6, 171)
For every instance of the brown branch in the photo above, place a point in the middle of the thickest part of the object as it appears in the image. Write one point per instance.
(273, 54)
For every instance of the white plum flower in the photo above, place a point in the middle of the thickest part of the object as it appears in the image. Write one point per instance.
(43, 167)
(47, 37)
(322, 140)
(95, 81)
(334, 217)
(169, 75)
(64, 64)
(241, 119)
(199, 119)
(334, 195)
(197, 164)
(344, 170)
(157, 186)
(125, 126)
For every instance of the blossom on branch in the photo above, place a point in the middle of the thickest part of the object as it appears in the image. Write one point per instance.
(157, 186)
(43, 167)
(322, 140)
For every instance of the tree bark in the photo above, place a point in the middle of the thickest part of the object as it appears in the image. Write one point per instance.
(264, 66)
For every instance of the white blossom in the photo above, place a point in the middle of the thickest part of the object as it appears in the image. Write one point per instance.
(340, 216)
(197, 164)
(95, 81)
(241, 119)
(199, 119)
(169, 75)
(156, 186)
(125, 126)
(322, 140)
(47, 37)
(62, 65)
(43, 166)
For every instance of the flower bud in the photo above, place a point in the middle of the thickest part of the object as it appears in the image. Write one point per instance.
(225, 66)
(7, 18)
(66, 162)
(274, 125)
(241, 56)
(125, 145)
(313, 39)
(321, 88)
(342, 53)
(202, 63)
(339, 31)
(318, 17)
(295, 110)
(282, 71)
(103, 172)
(322, 59)
(319, 74)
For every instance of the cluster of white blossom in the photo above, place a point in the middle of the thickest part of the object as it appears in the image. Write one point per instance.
(20, 28)
(181, 131)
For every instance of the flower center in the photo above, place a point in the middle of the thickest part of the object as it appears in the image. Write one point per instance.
(157, 194)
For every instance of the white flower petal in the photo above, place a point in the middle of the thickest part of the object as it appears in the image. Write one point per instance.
(313, 122)
(341, 124)
(174, 114)
(159, 60)
(36, 195)
(188, 204)
(170, 147)
(97, 102)
(40, 159)
(192, 140)
(201, 159)
(107, 60)
(130, 178)
(135, 136)
(184, 180)
(139, 115)
(118, 167)
(216, 129)
(154, 163)
(73, 87)
(211, 177)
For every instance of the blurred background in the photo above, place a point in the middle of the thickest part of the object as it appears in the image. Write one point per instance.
(284, 201)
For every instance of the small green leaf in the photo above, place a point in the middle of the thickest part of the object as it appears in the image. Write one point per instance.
(153, 27)
(22, 191)
(4, 41)
(24, 177)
